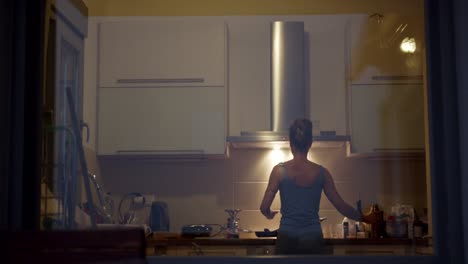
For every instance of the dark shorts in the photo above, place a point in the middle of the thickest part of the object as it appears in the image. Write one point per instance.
(295, 244)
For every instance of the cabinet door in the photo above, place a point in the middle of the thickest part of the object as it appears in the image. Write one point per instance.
(327, 75)
(162, 53)
(371, 250)
(212, 251)
(169, 120)
(386, 118)
(374, 47)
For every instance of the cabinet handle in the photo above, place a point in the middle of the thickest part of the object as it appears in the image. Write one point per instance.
(397, 77)
(163, 80)
(397, 150)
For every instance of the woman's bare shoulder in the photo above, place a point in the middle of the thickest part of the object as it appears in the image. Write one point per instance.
(327, 175)
(278, 168)
(277, 172)
(314, 166)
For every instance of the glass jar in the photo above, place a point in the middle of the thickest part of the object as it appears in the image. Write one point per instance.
(396, 227)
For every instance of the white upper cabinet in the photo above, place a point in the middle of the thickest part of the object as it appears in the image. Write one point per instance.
(387, 118)
(151, 53)
(385, 87)
(249, 74)
(327, 73)
(375, 53)
(161, 121)
(162, 87)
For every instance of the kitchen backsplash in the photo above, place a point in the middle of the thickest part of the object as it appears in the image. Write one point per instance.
(197, 192)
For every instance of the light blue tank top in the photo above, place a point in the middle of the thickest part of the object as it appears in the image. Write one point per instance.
(300, 204)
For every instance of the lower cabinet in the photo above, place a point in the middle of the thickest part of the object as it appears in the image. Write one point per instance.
(387, 118)
(263, 250)
(372, 250)
(162, 120)
(211, 251)
(198, 250)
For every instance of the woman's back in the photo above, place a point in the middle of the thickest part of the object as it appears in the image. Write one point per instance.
(300, 183)
(300, 192)
(303, 173)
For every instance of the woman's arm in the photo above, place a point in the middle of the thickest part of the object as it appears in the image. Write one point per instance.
(335, 198)
(270, 193)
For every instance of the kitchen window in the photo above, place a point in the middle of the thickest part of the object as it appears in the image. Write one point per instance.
(445, 127)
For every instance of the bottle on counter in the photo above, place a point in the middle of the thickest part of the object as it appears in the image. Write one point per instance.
(361, 231)
(378, 228)
(345, 224)
(418, 229)
(411, 219)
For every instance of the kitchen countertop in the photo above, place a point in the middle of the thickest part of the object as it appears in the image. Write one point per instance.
(219, 241)
(164, 245)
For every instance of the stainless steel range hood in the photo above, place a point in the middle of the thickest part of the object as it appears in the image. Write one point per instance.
(288, 92)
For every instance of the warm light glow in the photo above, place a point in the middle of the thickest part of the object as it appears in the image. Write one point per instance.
(312, 156)
(279, 155)
(408, 45)
(276, 147)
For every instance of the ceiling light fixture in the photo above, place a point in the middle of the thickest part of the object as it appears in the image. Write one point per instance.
(408, 45)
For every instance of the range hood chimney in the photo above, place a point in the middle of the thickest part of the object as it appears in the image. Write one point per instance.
(287, 74)
(288, 89)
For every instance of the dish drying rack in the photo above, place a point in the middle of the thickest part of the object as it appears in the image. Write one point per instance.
(59, 179)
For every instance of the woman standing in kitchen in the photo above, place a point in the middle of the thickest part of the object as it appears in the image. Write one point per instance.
(300, 183)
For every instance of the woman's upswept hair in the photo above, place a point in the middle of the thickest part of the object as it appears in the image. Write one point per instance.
(300, 135)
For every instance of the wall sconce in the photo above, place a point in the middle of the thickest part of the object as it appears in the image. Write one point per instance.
(408, 45)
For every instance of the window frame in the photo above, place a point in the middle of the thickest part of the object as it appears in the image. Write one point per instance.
(447, 126)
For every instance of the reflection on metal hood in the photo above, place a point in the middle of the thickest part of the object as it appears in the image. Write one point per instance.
(288, 91)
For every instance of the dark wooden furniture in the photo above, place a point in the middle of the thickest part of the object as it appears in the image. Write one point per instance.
(80, 246)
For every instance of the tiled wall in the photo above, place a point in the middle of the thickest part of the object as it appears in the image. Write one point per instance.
(197, 192)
